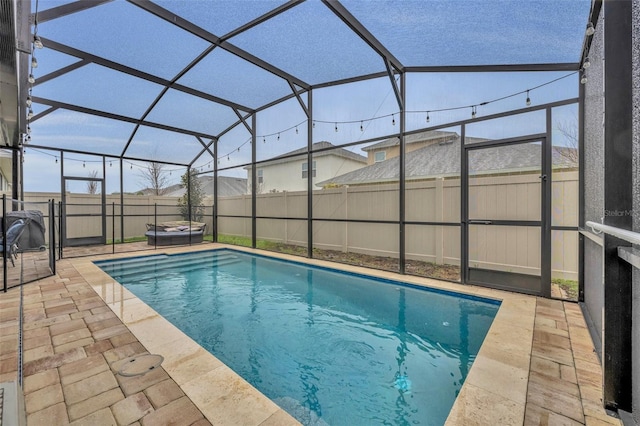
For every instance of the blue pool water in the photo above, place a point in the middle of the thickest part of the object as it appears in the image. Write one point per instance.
(329, 347)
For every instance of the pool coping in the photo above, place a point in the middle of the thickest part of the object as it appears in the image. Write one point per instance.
(494, 392)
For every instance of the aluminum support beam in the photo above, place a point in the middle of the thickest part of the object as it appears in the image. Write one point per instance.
(119, 117)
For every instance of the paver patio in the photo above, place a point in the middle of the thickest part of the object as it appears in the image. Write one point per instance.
(74, 343)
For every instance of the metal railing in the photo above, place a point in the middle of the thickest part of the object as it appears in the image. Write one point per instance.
(623, 234)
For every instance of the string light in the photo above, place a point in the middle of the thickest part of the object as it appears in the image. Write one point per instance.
(586, 63)
(84, 164)
(29, 100)
(34, 62)
(131, 166)
(393, 120)
(56, 160)
(361, 121)
(583, 79)
(37, 42)
(30, 114)
(110, 164)
(32, 79)
(590, 29)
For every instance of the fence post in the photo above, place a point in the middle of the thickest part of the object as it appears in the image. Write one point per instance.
(52, 236)
(155, 225)
(345, 243)
(61, 229)
(439, 230)
(113, 227)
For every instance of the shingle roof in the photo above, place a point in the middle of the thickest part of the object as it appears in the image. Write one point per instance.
(227, 187)
(430, 135)
(444, 160)
(340, 152)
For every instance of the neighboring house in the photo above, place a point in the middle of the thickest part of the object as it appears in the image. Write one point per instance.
(442, 159)
(390, 148)
(227, 187)
(291, 173)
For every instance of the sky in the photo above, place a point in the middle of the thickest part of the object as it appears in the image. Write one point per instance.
(307, 41)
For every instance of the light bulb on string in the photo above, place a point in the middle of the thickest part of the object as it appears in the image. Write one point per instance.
(583, 79)
(30, 114)
(131, 166)
(393, 120)
(110, 163)
(428, 119)
(37, 42)
(32, 79)
(296, 130)
(56, 160)
(528, 99)
(473, 111)
(34, 62)
(29, 101)
(590, 29)
(361, 127)
(314, 124)
(336, 128)
(586, 63)
(228, 158)
(28, 129)
(278, 136)
(264, 140)
(84, 164)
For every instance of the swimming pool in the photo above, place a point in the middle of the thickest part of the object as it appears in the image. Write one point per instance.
(327, 346)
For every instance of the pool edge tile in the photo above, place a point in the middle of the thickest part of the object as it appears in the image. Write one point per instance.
(516, 313)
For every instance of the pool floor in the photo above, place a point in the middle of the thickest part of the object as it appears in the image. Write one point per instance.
(544, 341)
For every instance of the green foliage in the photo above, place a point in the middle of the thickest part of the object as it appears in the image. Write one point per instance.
(569, 286)
(194, 193)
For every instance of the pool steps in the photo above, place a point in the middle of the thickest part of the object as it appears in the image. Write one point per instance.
(151, 265)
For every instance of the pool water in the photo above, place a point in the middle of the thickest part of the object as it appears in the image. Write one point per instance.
(327, 346)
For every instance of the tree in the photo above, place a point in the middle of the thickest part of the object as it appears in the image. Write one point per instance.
(193, 193)
(569, 153)
(92, 185)
(155, 178)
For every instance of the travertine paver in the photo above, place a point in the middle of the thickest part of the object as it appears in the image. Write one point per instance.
(71, 338)
(560, 373)
(132, 408)
(565, 375)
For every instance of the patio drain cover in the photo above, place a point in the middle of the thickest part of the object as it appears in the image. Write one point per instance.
(140, 364)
